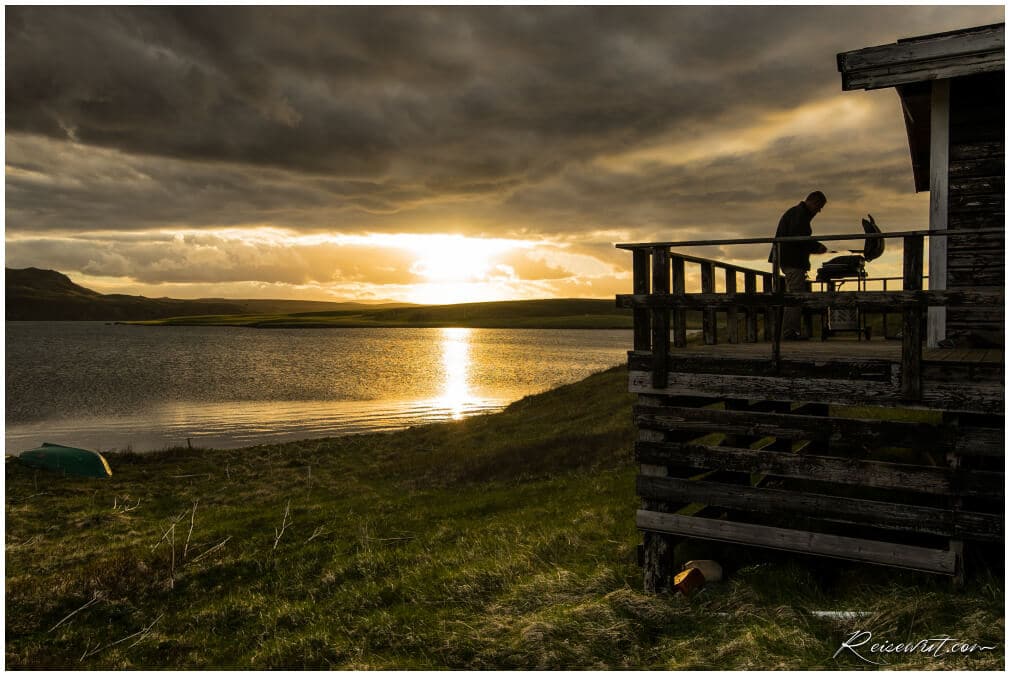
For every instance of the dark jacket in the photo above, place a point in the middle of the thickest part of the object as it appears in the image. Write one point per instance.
(795, 222)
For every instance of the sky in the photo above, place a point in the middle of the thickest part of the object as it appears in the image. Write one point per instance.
(437, 154)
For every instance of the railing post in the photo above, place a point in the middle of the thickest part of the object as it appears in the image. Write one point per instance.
(640, 270)
(768, 287)
(660, 316)
(751, 321)
(732, 319)
(708, 314)
(679, 316)
(911, 331)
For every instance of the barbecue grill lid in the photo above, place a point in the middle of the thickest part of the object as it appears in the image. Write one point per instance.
(872, 248)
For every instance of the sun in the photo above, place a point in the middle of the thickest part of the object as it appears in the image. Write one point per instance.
(456, 269)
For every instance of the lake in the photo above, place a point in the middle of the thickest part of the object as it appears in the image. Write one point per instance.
(107, 387)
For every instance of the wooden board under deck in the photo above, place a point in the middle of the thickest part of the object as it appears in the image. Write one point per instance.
(846, 372)
(835, 348)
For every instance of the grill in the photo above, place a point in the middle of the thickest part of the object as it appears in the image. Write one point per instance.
(850, 269)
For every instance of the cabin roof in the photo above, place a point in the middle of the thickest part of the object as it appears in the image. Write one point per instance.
(911, 64)
(926, 57)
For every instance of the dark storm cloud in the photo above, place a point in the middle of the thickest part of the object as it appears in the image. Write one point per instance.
(457, 98)
(486, 121)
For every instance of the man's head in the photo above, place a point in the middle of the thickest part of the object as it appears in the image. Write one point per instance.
(815, 201)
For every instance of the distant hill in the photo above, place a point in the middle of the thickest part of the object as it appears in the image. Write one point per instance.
(554, 313)
(48, 295)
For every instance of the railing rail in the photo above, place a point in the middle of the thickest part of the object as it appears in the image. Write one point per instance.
(660, 295)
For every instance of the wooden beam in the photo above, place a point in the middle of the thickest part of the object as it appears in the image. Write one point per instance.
(811, 368)
(708, 314)
(939, 196)
(840, 433)
(751, 320)
(836, 546)
(834, 508)
(640, 267)
(867, 300)
(732, 320)
(679, 316)
(660, 316)
(911, 342)
(931, 57)
(915, 478)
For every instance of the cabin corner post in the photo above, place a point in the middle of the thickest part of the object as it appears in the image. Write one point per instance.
(939, 202)
(911, 342)
(640, 276)
(660, 316)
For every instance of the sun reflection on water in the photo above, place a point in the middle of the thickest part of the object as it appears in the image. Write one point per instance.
(455, 394)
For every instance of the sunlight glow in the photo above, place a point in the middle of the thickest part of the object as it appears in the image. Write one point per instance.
(456, 367)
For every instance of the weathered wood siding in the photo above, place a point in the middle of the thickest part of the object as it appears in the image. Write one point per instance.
(976, 196)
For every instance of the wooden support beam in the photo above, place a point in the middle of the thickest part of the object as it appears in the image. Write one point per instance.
(708, 313)
(911, 343)
(915, 478)
(810, 368)
(849, 434)
(939, 196)
(835, 546)
(919, 299)
(660, 316)
(767, 287)
(751, 319)
(833, 508)
(643, 331)
(732, 317)
(679, 316)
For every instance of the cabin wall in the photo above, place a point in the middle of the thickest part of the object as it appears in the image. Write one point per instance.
(976, 197)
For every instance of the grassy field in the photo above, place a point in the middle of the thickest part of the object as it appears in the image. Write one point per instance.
(501, 541)
(528, 314)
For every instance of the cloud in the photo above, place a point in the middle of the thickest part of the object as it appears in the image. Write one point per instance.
(575, 125)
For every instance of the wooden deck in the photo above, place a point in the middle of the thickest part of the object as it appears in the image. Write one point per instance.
(782, 444)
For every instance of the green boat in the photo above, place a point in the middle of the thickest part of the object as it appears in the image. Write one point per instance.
(67, 459)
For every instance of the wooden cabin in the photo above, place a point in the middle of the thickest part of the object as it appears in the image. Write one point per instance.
(886, 450)
(951, 87)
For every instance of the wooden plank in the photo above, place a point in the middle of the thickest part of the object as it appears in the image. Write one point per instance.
(732, 318)
(939, 146)
(841, 433)
(679, 316)
(960, 43)
(660, 316)
(708, 313)
(769, 240)
(829, 391)
(981, 296)
(915, 478)
(750, 316)
(767, 287)
(834, 508)
(970, 397)
(835, 546)
(643, 331)
(798, 367)
(911, 343)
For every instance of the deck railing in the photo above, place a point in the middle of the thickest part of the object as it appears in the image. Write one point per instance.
(660, 295)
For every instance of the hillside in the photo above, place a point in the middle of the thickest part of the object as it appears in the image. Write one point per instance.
(499, 541)
(48, 295)
(560, 313)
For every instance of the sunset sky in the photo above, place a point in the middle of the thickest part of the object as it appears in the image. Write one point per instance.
(436, 154)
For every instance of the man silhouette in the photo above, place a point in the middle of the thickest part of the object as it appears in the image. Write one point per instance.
(795, 256)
